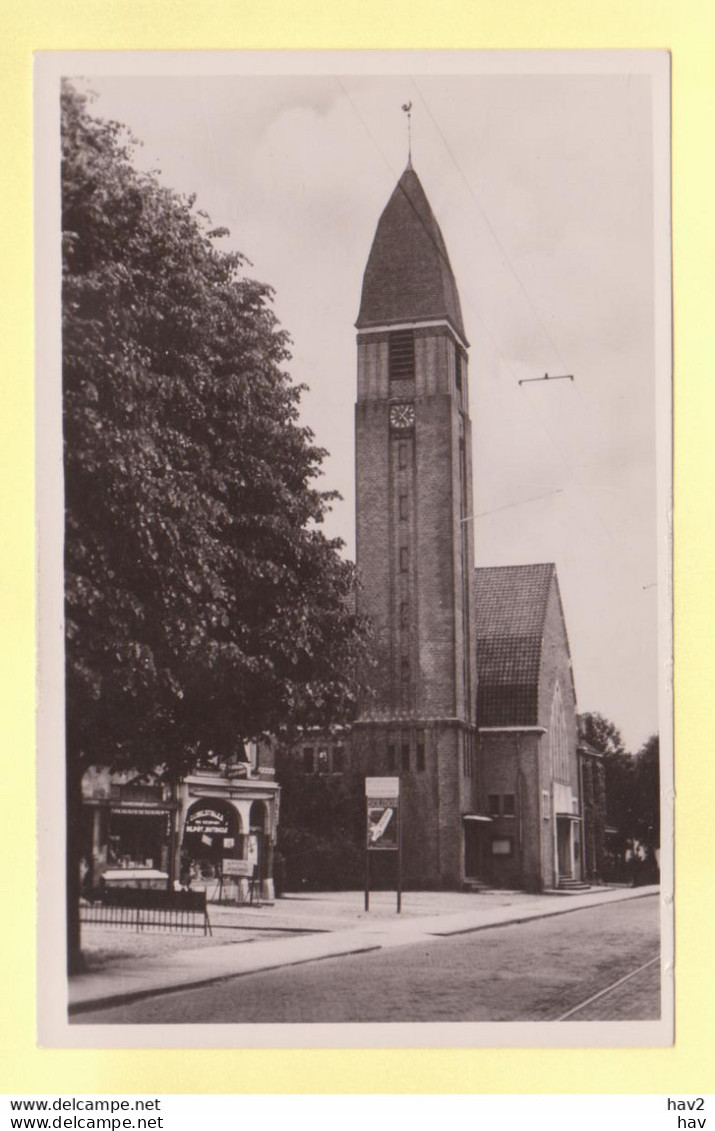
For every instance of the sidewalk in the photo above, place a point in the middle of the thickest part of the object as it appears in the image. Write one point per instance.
(333, 934)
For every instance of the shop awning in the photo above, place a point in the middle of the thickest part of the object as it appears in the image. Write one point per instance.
(476, 817)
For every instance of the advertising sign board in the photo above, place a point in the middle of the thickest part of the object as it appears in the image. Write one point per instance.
(237, 868)
(382, 818)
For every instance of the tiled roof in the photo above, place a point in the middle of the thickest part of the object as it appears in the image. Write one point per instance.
(408, 277)
(511, 604)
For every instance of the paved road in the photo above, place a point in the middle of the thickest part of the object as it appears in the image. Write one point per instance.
(533, 971)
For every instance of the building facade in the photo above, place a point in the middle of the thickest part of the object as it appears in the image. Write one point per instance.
(474, 704)
(140, 831)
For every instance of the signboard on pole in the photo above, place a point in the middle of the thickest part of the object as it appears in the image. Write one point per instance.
(382, 797)
(237, 868)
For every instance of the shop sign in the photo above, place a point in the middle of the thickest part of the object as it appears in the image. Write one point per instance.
(207, 821)
(382, 787)
(137, 811)
(237, 868)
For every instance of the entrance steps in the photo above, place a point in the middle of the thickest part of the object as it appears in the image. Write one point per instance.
(573, 885)
(475, 886)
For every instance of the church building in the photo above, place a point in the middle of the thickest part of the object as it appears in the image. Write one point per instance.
(474, 706)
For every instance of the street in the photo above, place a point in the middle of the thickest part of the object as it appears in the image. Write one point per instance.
(533, 971)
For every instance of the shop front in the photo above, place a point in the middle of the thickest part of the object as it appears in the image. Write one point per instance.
(220, 821)
(227, 832)
(128, 831)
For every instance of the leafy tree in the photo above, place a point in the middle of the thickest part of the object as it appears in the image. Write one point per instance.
(204, 605)
(632, 785)
(604, 736)
(647, 785)
(322, 827)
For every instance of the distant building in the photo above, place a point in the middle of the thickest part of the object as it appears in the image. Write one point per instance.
(475, 707)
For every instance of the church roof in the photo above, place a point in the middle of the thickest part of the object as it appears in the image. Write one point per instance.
(408, 277)
(511, 605)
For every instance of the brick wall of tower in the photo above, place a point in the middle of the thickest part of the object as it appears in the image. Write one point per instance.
(413, 490)
(439, 608)
(432, 799)
(414, 537)
(374, 559)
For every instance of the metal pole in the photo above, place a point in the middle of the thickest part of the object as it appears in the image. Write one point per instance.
(367, 877)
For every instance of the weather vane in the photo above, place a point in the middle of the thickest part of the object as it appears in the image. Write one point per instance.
(407, 107)
(547, 377)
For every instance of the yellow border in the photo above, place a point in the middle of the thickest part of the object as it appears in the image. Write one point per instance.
(686, 28)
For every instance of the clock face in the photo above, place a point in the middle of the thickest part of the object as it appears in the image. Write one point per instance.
(402, 415)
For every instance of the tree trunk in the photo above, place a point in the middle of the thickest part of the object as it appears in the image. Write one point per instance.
(75, 960)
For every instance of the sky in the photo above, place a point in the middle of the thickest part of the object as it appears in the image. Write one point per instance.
(543, 187)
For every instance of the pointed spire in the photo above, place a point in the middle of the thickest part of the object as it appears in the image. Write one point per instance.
(408, 277)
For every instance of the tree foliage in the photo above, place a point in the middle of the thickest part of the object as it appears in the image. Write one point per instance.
(204, 605)
(322, 827)
(632, 785)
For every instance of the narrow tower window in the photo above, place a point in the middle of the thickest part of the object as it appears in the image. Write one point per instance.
(458, 368)
(420, 751)
(403, 506)
(401, 347)
(404, 559)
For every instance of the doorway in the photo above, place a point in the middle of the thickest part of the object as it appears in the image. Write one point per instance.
(564, 849)
(473, 851)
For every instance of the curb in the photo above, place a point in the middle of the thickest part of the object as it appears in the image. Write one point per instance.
(539, 915)
(108, 1000)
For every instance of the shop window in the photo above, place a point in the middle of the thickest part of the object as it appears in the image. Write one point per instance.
(502, 846)
(401, 354)
(405, 757)
(308, 759)
(509, 805)
(391, 762)
(493, 805)
(323, 766)
(338, 760)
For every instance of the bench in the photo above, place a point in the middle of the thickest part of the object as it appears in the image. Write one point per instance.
(142, 908)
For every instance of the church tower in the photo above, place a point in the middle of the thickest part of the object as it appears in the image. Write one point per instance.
(415, 551)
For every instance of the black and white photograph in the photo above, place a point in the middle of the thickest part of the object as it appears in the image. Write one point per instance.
(354, 494)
